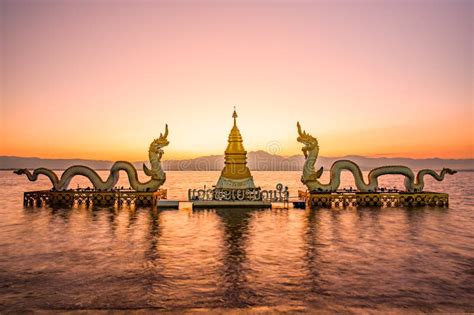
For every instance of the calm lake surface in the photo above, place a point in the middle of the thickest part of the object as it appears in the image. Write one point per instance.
(286, 259)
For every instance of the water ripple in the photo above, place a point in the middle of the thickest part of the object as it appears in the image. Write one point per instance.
(340, 260)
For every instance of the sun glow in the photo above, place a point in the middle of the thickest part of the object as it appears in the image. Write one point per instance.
(97, 82)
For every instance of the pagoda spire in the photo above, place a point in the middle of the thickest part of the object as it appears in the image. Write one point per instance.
(235, 174)
(234, 115)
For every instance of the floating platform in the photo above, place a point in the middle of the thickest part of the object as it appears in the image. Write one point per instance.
(130, 197)
(159, 199)
(379, 199)
(93, 197)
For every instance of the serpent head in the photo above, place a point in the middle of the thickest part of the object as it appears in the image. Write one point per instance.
(310, 142)
(159, 143)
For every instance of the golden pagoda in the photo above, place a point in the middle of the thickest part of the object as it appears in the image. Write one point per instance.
(236, 174)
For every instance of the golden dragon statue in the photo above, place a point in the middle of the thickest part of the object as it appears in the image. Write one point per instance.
(156, 173)
(311, 177)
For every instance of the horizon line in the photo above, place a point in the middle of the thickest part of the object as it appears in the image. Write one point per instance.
(217, 155)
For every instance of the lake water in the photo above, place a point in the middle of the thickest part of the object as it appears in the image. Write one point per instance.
(345, 260)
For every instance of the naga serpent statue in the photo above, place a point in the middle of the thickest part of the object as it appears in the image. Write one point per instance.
(310, 176)
(156, 173)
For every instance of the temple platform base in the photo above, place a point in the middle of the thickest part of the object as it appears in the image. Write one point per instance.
(380, 199)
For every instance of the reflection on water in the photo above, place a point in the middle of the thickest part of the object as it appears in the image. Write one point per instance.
(337, 260)
(236, 290)
(312, 257)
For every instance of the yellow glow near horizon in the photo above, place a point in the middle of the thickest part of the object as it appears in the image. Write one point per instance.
(100, 81)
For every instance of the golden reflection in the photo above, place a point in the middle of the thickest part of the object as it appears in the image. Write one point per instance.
(153, 235)
(63, 213)
(153, 279)
(237, 292)
(112, 218)
(335, 226)
(312, 243)
(132, 218)
(415, 219)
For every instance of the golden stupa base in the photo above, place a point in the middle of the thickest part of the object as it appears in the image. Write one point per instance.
(380, 199)
(227, 183)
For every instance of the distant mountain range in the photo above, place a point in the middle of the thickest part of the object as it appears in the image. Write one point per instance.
(259, 160)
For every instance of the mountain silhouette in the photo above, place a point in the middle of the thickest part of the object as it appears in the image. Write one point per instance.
(256, 160)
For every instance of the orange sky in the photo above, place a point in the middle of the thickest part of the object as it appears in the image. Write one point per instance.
(87, 79)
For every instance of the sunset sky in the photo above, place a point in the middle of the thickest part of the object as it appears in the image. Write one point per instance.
(99, 79)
